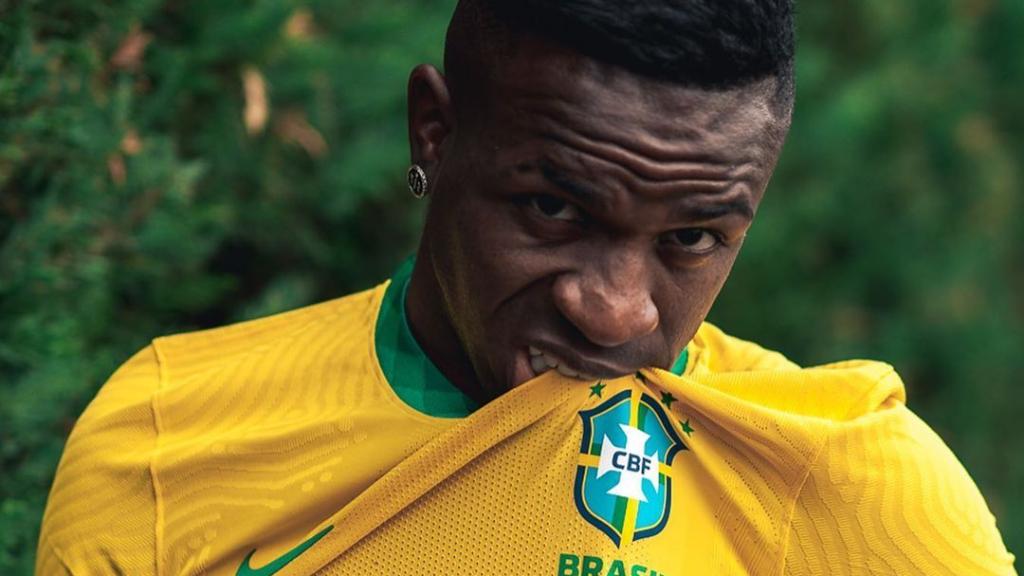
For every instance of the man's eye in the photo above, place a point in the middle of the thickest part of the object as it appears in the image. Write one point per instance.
(555, 208)
(695, 240)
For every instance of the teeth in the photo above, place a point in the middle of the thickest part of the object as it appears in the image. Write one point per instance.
(567, 372)
(541, 363)
(538, 364)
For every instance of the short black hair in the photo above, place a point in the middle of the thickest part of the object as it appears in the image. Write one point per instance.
(710, 44)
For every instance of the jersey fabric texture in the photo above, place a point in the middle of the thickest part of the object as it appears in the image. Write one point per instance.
(278, 446)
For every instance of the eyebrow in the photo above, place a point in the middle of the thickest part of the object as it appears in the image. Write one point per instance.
(581, 191)
(706, 211)
(711, 211)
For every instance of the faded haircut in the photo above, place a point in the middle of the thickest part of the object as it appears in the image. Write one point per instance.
(707, 44)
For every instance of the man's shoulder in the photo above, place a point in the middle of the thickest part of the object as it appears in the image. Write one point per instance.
(217, 362)
(347, 318)
(713, 350)
(839, 391)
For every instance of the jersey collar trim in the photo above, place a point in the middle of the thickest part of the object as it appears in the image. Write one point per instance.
(412, 375)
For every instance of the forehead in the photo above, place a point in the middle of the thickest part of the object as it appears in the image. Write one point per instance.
(545, 93)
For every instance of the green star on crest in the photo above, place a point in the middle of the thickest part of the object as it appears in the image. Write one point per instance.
(687, 429)
(597, 389)
(667, 399)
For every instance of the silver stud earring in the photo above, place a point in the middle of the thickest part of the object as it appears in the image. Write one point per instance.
(418, 183)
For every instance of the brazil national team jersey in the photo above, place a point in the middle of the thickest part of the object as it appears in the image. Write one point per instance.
(322, 441)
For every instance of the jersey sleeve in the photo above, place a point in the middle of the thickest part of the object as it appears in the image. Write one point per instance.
(887, 496)
(101, 514)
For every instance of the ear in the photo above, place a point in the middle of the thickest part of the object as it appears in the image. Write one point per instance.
(431, 116)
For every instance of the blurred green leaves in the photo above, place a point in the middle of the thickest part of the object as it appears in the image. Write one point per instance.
(169, 165)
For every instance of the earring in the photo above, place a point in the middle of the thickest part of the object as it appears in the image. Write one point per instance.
(418, 183)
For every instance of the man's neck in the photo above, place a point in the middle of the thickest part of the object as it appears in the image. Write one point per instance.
(427, 314)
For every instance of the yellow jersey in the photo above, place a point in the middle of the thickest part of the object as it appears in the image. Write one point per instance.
(280, 447)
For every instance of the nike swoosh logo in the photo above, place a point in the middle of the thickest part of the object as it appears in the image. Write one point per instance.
(281, 561)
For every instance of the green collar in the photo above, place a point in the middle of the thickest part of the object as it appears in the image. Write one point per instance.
(413, 377)
(411, 374)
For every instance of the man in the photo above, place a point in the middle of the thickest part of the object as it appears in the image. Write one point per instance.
(537, 393)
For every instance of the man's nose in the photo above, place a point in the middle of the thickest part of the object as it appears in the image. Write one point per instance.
(609, 308)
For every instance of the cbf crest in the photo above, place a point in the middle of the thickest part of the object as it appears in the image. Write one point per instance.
(623, 480)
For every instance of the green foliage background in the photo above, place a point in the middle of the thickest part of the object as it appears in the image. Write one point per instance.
(135, 201)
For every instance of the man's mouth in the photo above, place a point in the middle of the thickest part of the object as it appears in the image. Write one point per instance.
(535, 360)
(542, 361)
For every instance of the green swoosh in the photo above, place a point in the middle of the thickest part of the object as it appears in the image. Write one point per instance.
(282, 561)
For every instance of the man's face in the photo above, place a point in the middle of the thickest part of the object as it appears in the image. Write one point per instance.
(588, 218)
